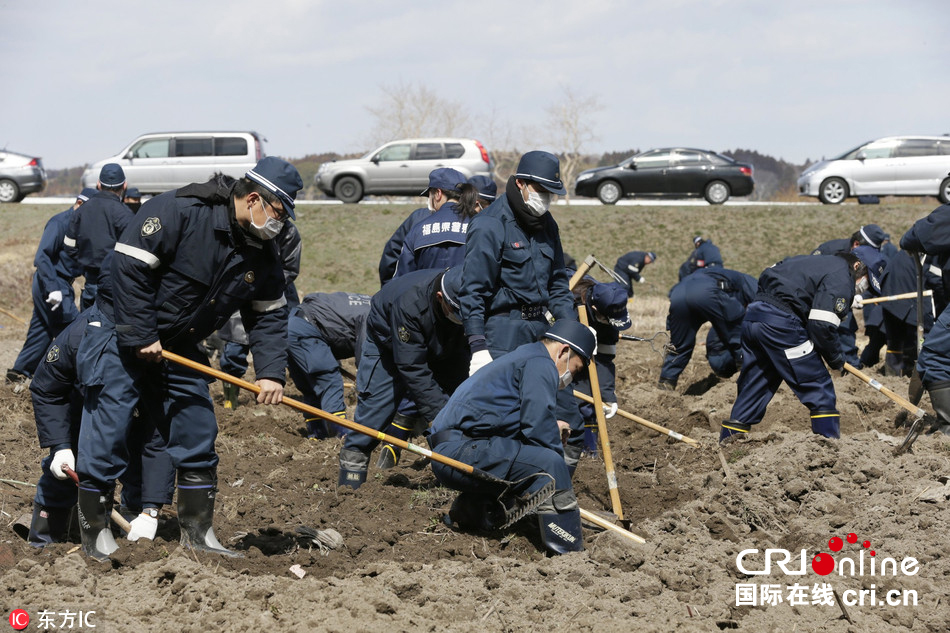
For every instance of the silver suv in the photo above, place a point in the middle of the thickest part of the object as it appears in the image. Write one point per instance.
(892, 166)
(401, 167)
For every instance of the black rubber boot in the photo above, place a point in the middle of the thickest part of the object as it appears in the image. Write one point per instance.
(231, 392)
(940, 401)
(400, 428)
(95, 507)
(476, 511)
(561, 531)
(49, 525)
(572, 453)
(665, 384)
(353, 468)
(893, 362)
(733, 430)
(827, 423)
(196, 492)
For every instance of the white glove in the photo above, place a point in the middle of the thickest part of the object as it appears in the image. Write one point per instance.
(610, 409)
(857, 303)
(479, 360)
(63, 457)
(143, 526)
(642, 280)
(54, 299)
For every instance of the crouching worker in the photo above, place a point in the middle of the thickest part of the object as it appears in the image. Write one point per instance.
(502, 420)
(790, 327)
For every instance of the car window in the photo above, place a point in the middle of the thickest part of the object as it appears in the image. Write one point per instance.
(193, 147)
(719, 159)
(151, 148)
(454, 150)
(428, 151)
(230, 146)
(917, 147)
(685, 158)
(394, 152)
(943, 148)
(654, 160)
(874, 150)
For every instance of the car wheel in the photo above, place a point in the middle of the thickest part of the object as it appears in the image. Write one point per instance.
(716, 192)
(833, 191)
(348, 189)
(9, 192)
(944, 194)
(609, 192)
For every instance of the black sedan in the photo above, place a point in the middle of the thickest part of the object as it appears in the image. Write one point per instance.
(670, 173)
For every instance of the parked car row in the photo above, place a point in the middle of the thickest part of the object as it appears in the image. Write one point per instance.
(891, 166)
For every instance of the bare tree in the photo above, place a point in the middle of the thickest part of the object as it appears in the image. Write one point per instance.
(570, 128)
(409, 110)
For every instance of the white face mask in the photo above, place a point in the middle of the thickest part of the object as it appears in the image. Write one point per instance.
(538, 203)
(861, 285)
(429, 204)
(269, 230)
(567, 377)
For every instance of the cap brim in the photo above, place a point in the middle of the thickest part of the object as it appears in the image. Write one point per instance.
(555, 189)
(288, 205)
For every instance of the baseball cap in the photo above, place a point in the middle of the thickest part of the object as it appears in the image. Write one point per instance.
(280, 178)
(543, 168)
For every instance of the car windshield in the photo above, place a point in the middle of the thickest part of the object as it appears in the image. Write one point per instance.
(851, 154)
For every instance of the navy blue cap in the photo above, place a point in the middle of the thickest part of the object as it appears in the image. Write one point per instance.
(133, 192)
(487, 188)
(611, 302)
(280, 178)
(452, 286)
(652, 255)
(574, 333)
(698, 240)
(86, 193)
(872, 234)
(111, 175)
(542, 168)
(444, 178)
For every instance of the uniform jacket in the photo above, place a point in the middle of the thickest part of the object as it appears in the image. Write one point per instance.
(818, 289)
(57, 401)
(339, 316)
(55, 268)
(437, 241)
(429, 351)
(184, 266)
(629, 267)
(392, 249)
(506, 268)
(842, 245)
(94, 229)
(513, 397)
(931, 234)
(900, 277)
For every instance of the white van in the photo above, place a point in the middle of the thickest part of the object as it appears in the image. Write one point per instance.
(892, 166)
(168, 160)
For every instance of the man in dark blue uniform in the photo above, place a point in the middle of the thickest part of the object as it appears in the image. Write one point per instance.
(900, 317)
(487, 190)
(514, 265)
(630, 267)
(54, 302)
(438, 241)
(325, 327)
(502, 420)
(132, 199)
(867, 235)
(191, 258)
(705, 255)
(414, 347)
(715, 295)
(95, 228)
(790, 327)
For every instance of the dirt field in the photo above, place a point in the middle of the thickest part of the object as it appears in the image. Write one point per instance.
(401, 569)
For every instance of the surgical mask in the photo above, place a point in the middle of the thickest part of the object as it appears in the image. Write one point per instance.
(861, 285)
(269, 230)
(538, 203)
(565, 379)
(429, 204)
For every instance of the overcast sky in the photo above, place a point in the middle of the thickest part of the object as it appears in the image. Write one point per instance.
(795, 80)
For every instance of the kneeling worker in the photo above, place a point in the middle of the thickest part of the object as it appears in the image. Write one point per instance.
(502, 420)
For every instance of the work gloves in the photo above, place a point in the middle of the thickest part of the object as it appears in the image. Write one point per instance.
(54, 299)
(479, 360)
(610, 409)
(641, 280)
(62, 457)
(858, 302)
(143, 526)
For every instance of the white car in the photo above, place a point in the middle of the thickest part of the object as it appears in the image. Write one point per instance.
(892, 166)
(20, 174)
(401, 167)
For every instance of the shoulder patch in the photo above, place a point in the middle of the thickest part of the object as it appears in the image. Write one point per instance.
(151, 226)
(840, 305)
(53, 354)
(403, 334)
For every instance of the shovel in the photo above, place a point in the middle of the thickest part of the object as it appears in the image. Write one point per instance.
(365, 430)
(117, 518)
(922, 418)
